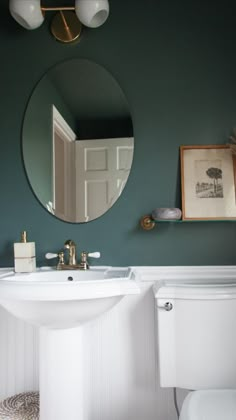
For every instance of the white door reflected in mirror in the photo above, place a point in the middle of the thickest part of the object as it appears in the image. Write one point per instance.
(77, 141)
(102, 169)
(88, 175)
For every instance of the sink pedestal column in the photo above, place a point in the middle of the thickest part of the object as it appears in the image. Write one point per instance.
(61, 374)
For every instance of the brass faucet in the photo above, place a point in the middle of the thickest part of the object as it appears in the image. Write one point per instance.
(69, 244)
(72, 260)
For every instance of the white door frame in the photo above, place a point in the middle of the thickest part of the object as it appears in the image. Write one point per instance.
(62, 129)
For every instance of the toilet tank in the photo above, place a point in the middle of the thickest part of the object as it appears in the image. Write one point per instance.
(196, 335)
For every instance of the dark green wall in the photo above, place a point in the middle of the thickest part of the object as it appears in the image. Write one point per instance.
(176, 63)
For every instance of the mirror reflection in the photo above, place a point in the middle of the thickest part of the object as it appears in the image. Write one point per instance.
(77, 141)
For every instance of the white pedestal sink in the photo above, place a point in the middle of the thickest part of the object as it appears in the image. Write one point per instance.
(60, 302)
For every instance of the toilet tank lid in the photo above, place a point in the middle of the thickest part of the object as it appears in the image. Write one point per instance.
(196, 291)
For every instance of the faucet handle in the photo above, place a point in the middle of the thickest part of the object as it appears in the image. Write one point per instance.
(84, 263)
(60, 255)
(50, 255)
(94, 254)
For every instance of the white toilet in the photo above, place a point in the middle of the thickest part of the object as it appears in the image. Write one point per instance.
(196, 343)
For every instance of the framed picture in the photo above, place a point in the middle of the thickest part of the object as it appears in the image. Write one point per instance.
(208, 182)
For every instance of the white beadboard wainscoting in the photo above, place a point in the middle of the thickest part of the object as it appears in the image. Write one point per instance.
(120, 360)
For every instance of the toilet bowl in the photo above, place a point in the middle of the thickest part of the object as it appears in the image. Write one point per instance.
(209, 404)
(196, 344)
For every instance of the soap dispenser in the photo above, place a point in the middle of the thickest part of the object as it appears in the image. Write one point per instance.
(24, 255)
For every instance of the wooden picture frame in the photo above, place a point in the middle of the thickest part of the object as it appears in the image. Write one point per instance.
(208, 182)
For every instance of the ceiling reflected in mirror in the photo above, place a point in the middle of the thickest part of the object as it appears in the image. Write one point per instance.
(77, 141)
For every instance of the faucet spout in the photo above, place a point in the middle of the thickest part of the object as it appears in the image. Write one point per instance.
(70, 245)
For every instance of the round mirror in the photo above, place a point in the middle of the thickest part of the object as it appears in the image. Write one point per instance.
(77, 141)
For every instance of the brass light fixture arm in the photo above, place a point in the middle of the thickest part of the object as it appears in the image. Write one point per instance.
(56, 9)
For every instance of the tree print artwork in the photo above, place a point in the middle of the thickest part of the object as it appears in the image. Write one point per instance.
(208, 179)
(208, 182)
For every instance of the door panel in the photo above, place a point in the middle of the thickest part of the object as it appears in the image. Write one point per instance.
(102, 167)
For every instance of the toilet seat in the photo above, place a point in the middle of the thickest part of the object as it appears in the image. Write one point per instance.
(216, 404)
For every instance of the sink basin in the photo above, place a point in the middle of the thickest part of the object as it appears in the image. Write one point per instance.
(64, 299)
(60, 302)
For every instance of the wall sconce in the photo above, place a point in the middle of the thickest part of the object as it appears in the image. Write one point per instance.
(67, 23)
